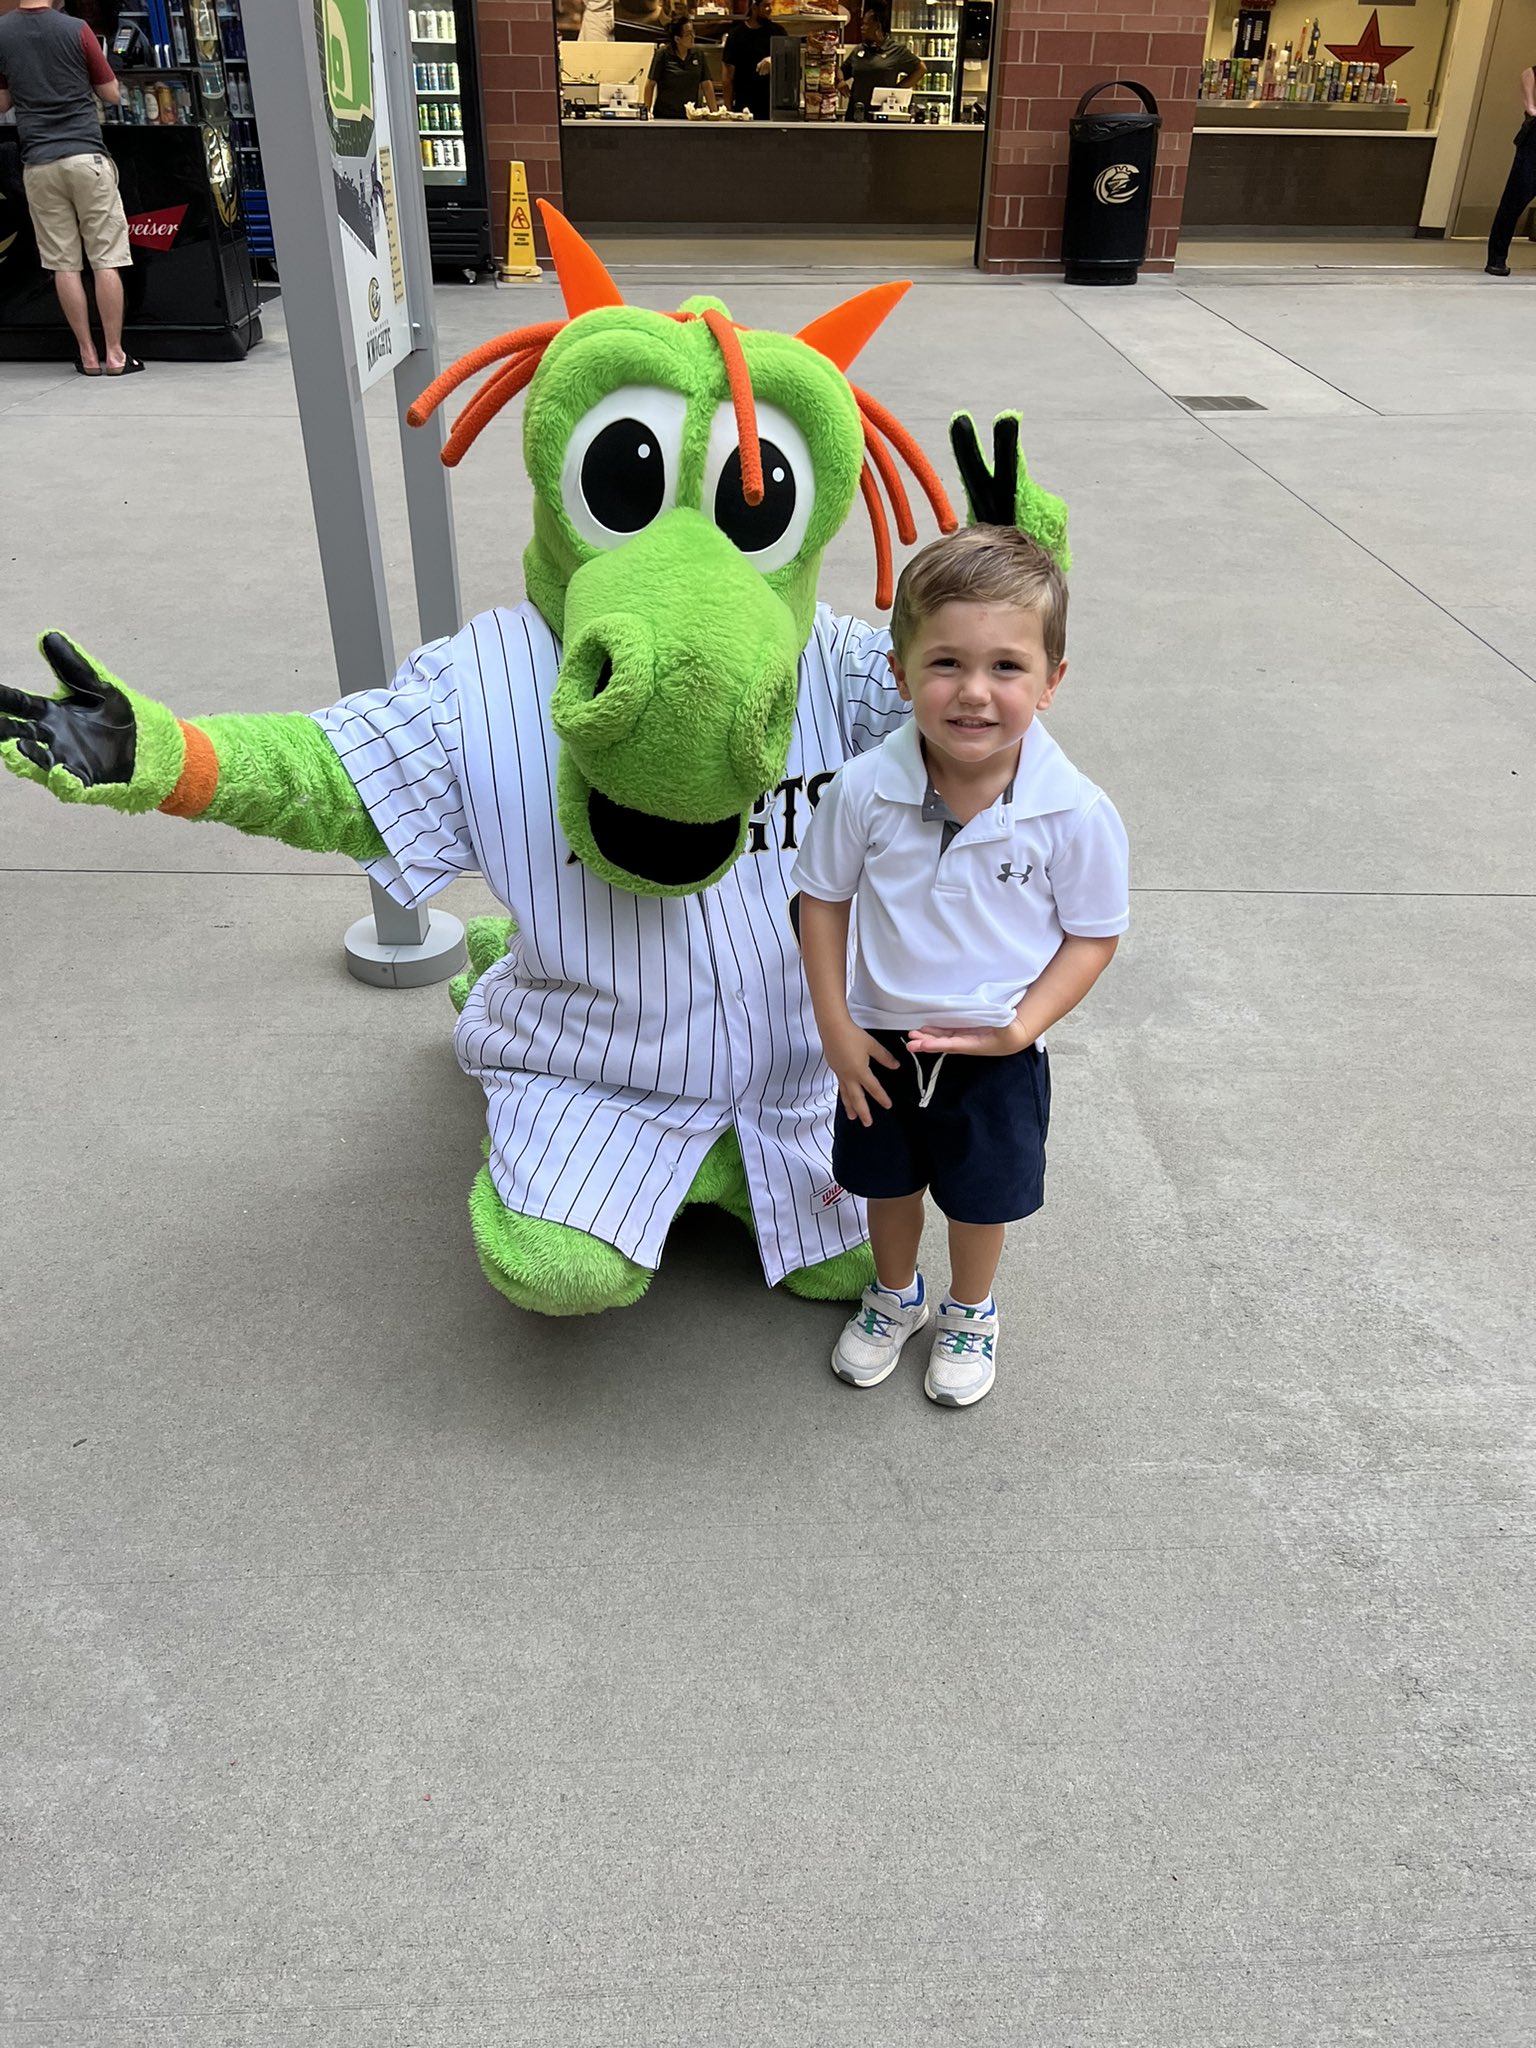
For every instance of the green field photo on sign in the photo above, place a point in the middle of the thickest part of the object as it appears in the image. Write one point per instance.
(345, 33)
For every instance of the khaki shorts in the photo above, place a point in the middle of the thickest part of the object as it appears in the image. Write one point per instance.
(72, 200)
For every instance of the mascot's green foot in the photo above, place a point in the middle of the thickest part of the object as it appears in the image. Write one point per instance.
(556, 1271)
(546, 1267)
(485, 939)
(843, 1278)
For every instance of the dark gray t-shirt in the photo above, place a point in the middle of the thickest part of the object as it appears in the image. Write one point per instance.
(49, 63)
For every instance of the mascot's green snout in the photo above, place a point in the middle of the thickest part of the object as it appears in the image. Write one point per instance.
(673, 717)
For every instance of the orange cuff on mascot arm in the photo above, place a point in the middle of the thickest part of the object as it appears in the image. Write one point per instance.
(199, 777)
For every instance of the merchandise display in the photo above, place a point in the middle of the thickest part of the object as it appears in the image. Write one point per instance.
(820, 100)
(208, 84)
(1316, 118)
(1294, 73)
(623, 757)
(1274, 56)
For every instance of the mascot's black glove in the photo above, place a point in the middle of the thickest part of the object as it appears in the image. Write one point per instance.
(90, 732)
(1005, 494)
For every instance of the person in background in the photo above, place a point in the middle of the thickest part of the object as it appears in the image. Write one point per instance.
(52, 70)
(1519, 187)
(878, 62)
(747, 61)
(596, 22)
(677, 75)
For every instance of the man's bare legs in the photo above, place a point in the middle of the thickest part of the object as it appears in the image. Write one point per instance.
(109, 304)
(70, 286)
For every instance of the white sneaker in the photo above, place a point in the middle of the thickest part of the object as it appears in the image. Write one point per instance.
(962, 1364)
(871, 1342)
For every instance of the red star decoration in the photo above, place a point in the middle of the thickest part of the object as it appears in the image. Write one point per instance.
(1370, 49)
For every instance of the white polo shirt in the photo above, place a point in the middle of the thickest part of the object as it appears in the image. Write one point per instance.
(962, 933)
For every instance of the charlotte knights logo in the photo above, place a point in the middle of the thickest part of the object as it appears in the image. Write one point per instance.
(375, 299)
(1116, 184)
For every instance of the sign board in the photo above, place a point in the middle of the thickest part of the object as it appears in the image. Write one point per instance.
(362, 165)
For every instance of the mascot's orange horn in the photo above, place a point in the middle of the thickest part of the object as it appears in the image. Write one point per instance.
(840, 334)
(584, 281)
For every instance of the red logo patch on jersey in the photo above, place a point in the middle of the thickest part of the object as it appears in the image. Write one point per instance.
(829, 1195)
(156, 230)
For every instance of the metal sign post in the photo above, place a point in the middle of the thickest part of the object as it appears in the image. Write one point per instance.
(394, 948)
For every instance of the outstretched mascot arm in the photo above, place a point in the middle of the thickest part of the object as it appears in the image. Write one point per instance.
(276, 775)
(1005, 494)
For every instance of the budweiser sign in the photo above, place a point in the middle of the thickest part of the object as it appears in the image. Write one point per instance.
(156, 230)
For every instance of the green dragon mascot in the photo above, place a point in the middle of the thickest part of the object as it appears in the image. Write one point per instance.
(627, 758)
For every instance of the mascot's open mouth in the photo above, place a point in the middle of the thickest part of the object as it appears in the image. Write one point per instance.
(659, 850)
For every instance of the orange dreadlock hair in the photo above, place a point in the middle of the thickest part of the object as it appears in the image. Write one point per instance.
(838, 335)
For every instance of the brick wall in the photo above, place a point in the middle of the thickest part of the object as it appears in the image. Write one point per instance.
(522, 103)
(1048, 57)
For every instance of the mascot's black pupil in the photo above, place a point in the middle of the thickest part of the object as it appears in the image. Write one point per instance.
(755, 527)
(623, 476)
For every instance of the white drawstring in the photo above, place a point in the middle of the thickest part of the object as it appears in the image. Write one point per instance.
(925, 1092)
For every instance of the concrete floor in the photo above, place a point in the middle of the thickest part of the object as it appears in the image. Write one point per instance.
(385, 1669)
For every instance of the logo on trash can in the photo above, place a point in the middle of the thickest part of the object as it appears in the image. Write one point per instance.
(375, 299)
(1115, 185)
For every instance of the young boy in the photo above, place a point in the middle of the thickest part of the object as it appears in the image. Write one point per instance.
(990, 878)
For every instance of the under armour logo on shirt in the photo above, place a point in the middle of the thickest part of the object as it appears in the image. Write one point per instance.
(1006, 874)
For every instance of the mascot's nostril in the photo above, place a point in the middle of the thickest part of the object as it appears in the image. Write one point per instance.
(604, 678)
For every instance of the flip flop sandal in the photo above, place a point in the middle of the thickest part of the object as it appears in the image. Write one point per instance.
(84, 372)
(127, 370)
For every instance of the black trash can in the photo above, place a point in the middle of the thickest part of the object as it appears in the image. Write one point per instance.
(1110, 163)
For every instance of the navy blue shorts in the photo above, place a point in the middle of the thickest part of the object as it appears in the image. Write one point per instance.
(978, 1147)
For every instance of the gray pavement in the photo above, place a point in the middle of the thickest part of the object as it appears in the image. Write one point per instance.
(384, 1667)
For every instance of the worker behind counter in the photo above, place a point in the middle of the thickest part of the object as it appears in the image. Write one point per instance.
(677, 80)
(747, 61)
(878, 62)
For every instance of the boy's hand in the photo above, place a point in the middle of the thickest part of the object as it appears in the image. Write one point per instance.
(981, 1041)
(851, 1053)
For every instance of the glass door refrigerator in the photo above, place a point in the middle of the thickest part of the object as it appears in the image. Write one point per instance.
(445, 70)
(930, 28)
(954, 40)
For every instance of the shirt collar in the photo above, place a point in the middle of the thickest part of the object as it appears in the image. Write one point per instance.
(1044, 781)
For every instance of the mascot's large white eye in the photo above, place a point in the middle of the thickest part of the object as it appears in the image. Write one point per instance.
(621, 462)
(770, 534)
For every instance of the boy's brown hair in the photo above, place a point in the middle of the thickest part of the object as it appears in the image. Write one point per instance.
(982, 565)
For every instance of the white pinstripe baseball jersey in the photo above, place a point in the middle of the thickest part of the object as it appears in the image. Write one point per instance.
(622, 1034)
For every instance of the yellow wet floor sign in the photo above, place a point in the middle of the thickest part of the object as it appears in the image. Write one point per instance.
(521, 260)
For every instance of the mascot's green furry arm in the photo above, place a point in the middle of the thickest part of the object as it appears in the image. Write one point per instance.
(611, 756)
(274, 776)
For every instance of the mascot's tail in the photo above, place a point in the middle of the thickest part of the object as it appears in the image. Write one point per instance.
(487, 939)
